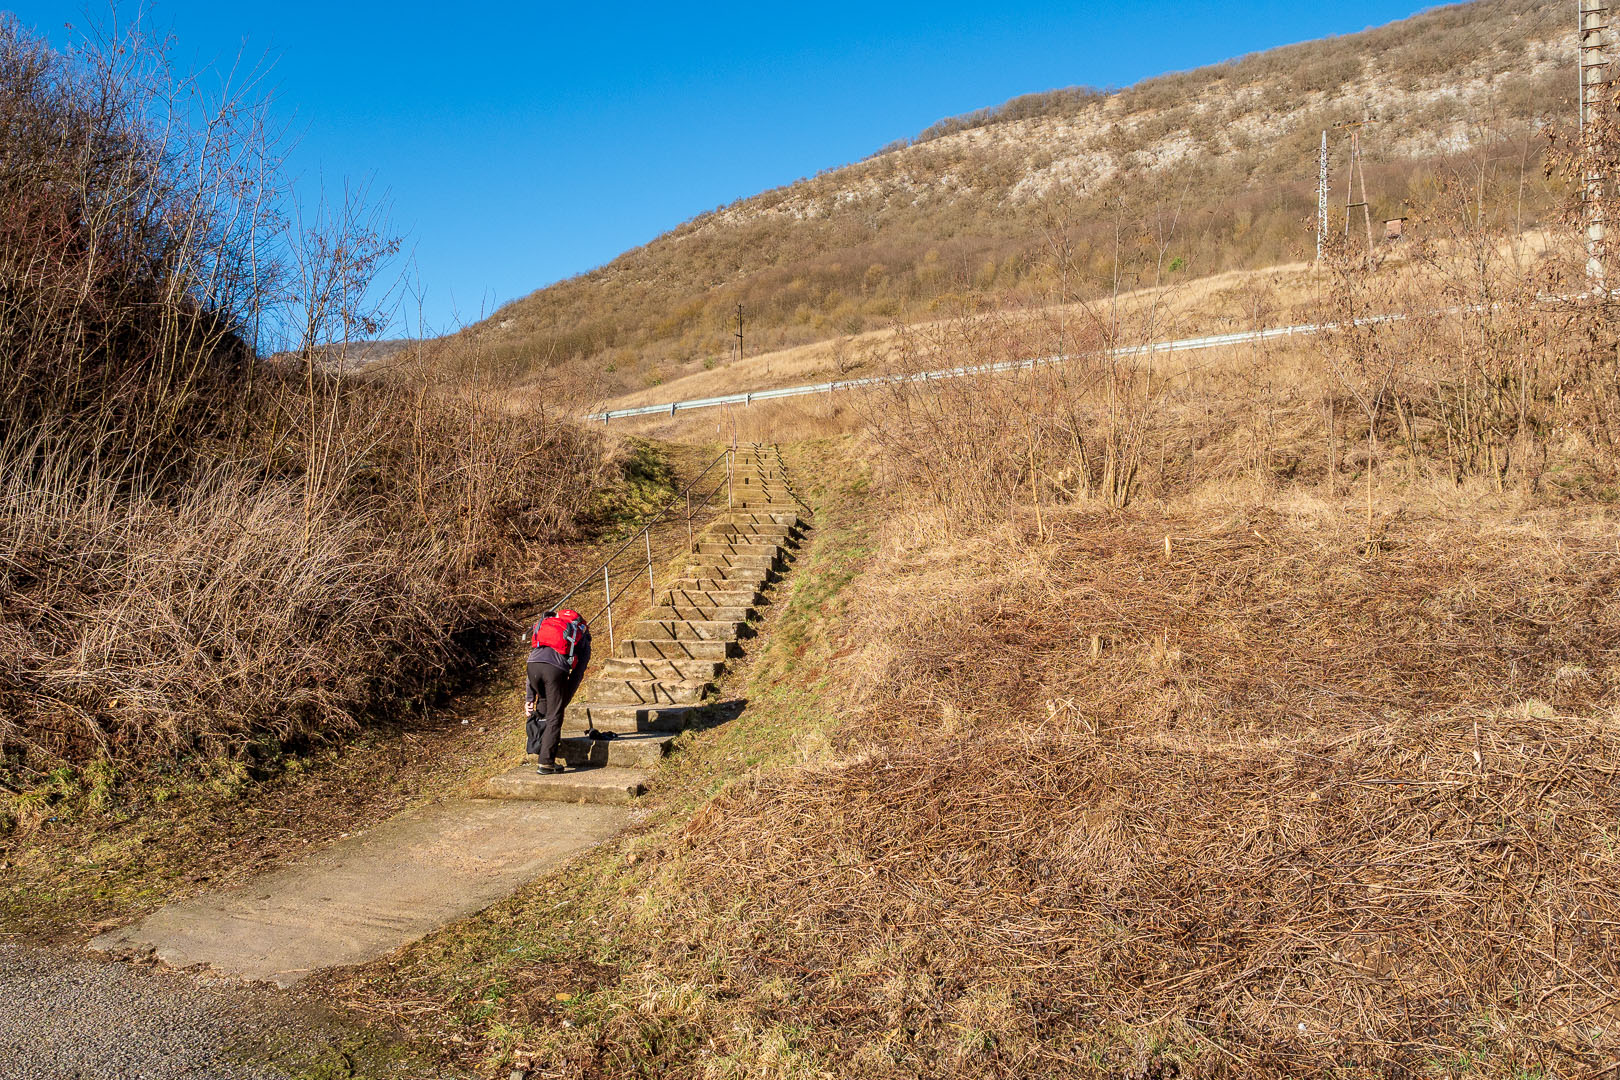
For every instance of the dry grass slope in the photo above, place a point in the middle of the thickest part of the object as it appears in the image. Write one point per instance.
(972, 212)
(1302, 811)
(1249, 715)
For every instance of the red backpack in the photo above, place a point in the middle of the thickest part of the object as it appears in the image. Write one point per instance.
(562, 632)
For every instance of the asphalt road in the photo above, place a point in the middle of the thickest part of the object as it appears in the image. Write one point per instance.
(67, 1016)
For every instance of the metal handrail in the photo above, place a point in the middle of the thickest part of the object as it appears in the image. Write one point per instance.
(728, 455)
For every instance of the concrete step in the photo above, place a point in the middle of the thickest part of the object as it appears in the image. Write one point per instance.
(684, 630)
(643, 691)
(782, 535)
(741, 596)
(729, 578)
(765, 549)
(593, 785)
(714, 566)
(700, 612)
(669, 649)
(762, 517)
(735, 562)
(702, 582)
(620, 667)
(634, 751)
(626, 719)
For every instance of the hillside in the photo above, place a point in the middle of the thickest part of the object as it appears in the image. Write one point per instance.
(1048, 195)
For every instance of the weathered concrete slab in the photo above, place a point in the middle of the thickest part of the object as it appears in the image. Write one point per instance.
(609, 785)
(699, 613)
(627, 719)
(743, 598)
(369, 894)
(644, 691)
(669, 649)
(631, 667)
(638, 750)
(684, 630)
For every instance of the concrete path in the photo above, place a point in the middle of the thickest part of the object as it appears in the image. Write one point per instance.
(369, 894)
(372, 893)
(664, 668)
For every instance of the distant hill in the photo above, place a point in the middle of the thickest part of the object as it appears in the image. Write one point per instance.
(1210, 170)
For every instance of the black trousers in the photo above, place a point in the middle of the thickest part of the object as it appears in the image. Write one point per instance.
(551, 689)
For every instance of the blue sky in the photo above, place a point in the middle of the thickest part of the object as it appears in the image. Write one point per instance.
(523, 143)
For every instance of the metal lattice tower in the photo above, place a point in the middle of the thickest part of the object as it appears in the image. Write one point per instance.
(1594, 25)
(1321, 196)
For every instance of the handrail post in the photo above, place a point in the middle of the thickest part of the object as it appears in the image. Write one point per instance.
(730, 455)
(652, 591)
(607, 593)
(658, 518)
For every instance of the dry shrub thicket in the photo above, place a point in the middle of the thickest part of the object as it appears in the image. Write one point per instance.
(1244, 775)
(1075, 424)
(203, 543)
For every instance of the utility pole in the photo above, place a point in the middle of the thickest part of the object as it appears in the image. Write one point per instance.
(1594, 24)
(1351, 176)
(1321, 196)
(739, 332)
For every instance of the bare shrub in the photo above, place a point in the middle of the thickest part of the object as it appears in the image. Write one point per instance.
(200, 622)
(204, 541)
(1068, 398)
(1478, 346)
(135, 217)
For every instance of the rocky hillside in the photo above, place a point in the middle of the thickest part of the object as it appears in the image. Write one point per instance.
(1187, 173)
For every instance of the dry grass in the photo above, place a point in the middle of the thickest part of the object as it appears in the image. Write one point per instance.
(1303, 811)
(1087, 809)
(798, 419)
(1235, 775)
(148, 622)
(1219, 303)
(1233, 717)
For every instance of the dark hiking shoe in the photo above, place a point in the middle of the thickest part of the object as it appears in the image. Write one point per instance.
(549, 770)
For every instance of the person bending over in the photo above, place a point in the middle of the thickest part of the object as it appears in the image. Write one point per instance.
(559, 651)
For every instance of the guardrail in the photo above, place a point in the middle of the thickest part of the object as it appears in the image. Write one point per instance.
(1211, 341)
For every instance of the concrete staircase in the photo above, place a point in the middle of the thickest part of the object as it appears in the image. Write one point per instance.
(664, 669)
